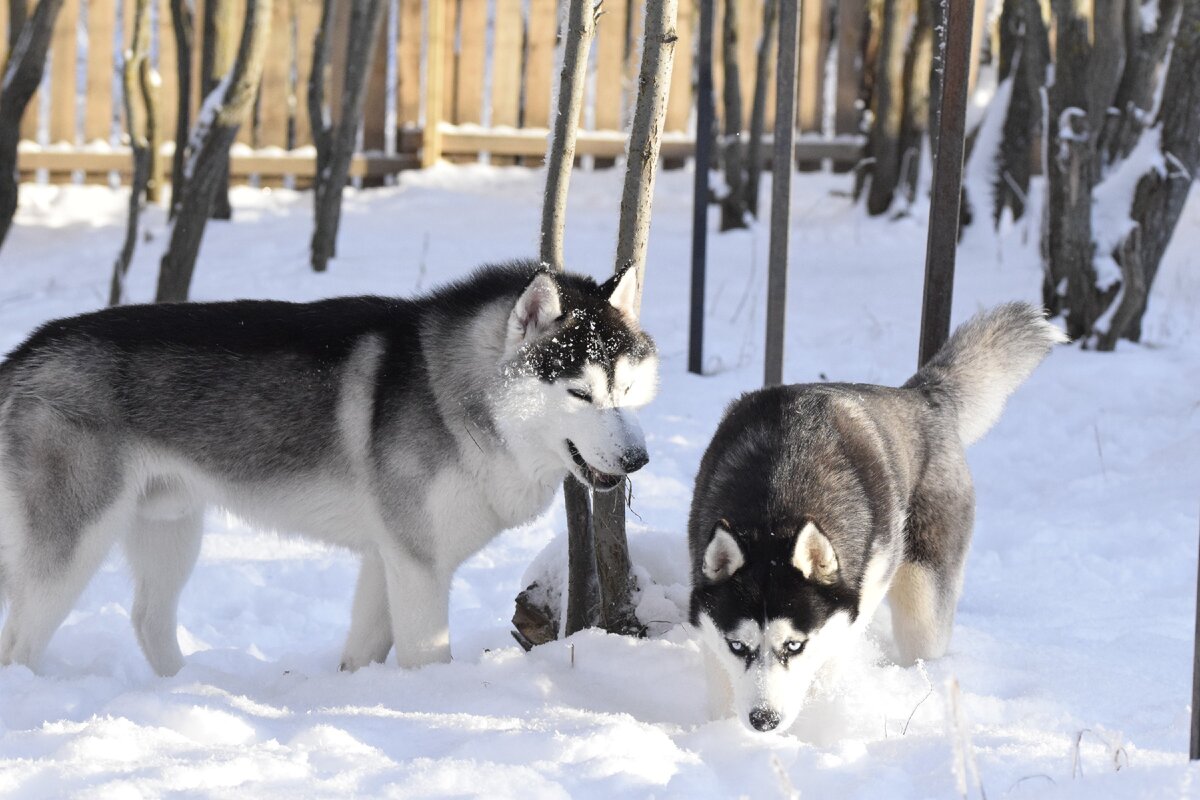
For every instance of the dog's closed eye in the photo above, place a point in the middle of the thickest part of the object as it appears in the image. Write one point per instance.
(580, 394)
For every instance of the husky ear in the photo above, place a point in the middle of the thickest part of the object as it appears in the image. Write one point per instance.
(814, 556)
(622, 291)
(536, 309)
(723, 556)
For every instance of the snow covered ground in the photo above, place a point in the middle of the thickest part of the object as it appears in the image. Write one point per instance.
(1075, 624)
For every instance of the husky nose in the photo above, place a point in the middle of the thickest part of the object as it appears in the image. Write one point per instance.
(633, 460)
(764, 719)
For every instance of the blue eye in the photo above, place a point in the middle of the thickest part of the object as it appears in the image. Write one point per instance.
(579, 394)
(736, 647)
(794, 647)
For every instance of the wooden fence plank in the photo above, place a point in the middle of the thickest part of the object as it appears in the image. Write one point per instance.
(308, 19)
(506, 64)
(539, 62)
(374, 122)
(168, 92)
(272, 102)
(62, 74)
(98, 105)
(472, 47)
(749, 32)
(450, 57)
(610, 66)
(679, 102)
(851, 18)
(408, 65)
(810, 83)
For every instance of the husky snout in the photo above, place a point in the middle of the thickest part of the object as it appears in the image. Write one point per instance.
(764, 719)
(634, 459)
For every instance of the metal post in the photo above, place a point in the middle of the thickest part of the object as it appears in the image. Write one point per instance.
(947, 179)
(704, 127)
(781, 188)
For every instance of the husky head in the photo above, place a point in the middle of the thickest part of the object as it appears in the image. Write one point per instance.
(772, 608)
(578, 367)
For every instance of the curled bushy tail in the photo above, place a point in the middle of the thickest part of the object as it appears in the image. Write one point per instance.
(984, 362)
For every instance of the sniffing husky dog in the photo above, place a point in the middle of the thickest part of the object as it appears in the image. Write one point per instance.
(813, 502)
(411, 431)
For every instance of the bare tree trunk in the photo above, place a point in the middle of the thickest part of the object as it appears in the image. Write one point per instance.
(320, 119)
(207, 161)
(733, 204)
(1068, 245)
(365, 18)
(16, 20)
(136, 80)
(183, 23)
(22, 74)
(583, 588)
(1024, 53)
(216, 58)
(1134, 99)
(918, 74)
(645, 136)
(887, 104)
(1162, 190)
(758, 110)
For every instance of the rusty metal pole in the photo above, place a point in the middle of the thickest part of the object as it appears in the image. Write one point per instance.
(946, 197)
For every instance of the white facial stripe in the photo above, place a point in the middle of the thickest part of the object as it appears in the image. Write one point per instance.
(635, 382)
(596, 380)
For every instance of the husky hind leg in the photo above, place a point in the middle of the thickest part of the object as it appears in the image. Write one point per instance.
(370, 636)
(161, 548)
(419, 605)
(44, 581)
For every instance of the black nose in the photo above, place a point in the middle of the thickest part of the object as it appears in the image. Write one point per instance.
(764, 719)
(633, 460)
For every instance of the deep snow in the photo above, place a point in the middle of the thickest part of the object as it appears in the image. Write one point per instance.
(1077, 614)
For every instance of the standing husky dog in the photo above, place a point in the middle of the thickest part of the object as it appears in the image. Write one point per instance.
(411, 431)
(815, 501)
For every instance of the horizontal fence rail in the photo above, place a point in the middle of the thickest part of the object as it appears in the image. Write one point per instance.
(495, 93)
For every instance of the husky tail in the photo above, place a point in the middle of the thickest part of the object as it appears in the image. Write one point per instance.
(984, 362)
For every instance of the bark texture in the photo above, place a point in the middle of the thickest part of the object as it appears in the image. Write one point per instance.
(758, 110)
(1162, 191)
(216, 58)
(654, 80)
(183, 25)
(733, 204)
(139, 118)
(365, 19)
(207, 162)
(1024, 54)
(22, 74)
(883, 150)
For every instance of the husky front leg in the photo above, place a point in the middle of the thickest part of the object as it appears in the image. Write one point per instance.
(418, 595)
(370, 636)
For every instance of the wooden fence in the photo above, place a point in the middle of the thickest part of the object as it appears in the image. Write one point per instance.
(497, 60)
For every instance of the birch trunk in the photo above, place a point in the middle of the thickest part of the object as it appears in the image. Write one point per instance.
(645, 136)
(207, 162)
(365, 18)
(22, 74)
(216, 59)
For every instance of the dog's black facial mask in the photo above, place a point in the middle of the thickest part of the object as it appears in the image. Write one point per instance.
(767, 585)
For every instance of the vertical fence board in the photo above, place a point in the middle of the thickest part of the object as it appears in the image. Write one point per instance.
(810, 85)
(450, 58)
(506, 64)
(679, 102)
(610, 65)
(472, 41)
(408, 65)
(374, 122)
(979, 24)
(62, 74)
(273, 89)
(308, 20)
(749, 32)
(168, 92)
(98, 108)
(541, 35)
(851, 18)
(633, 58)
